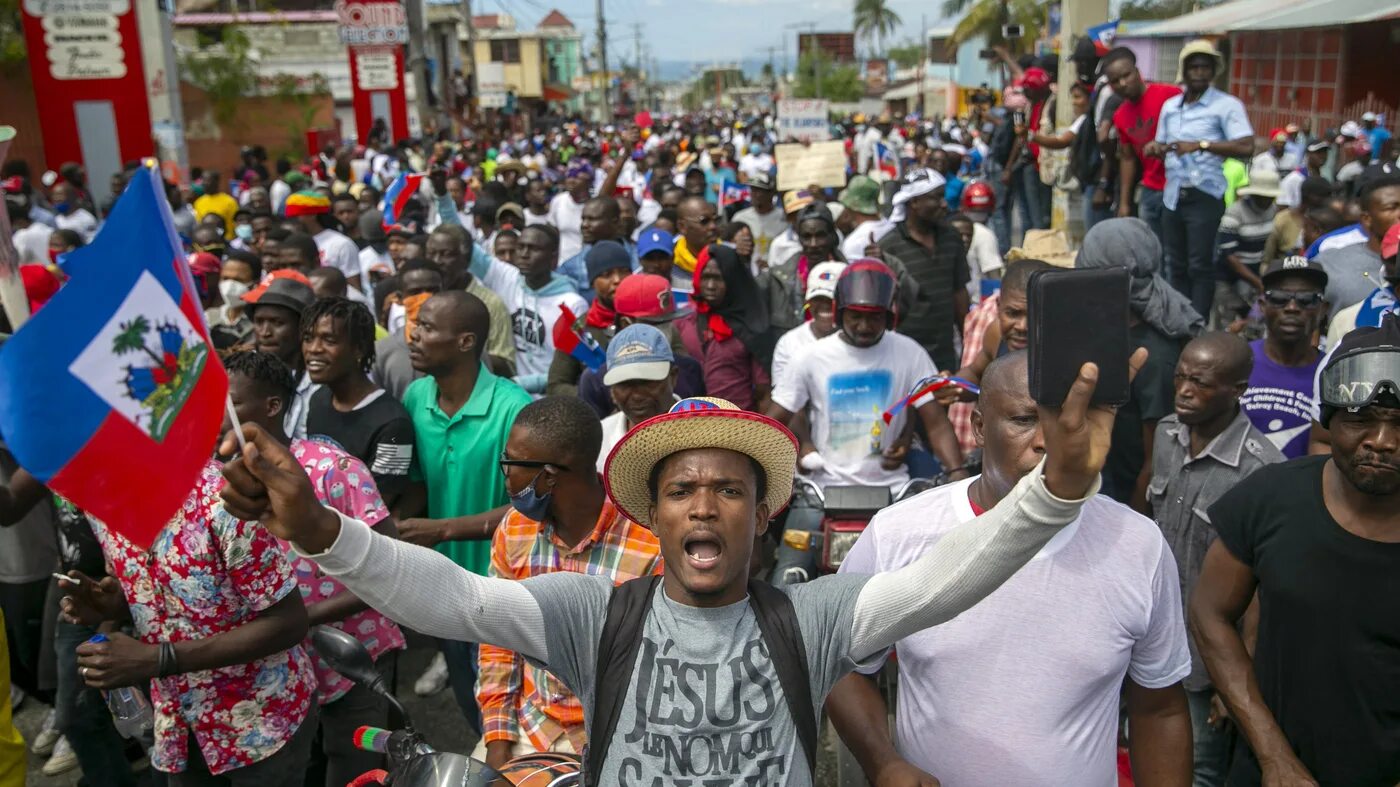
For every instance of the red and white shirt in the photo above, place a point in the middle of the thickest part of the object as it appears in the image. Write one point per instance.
(205, 574)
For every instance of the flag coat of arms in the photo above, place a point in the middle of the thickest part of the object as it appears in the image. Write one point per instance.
(111, 395)
(731, 192)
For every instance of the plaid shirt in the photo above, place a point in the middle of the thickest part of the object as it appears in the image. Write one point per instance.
(519, 699)
(975, 326)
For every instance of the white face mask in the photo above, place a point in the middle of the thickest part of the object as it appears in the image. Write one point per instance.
(233, 291)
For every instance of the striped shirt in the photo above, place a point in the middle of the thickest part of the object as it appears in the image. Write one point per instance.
(520, 700)
(1244, 232)
(975, 326)
(928, 280)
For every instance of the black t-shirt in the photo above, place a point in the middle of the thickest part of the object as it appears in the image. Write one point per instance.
(378, 433)
(77, 544)
(1152, 399)
(1328, 657)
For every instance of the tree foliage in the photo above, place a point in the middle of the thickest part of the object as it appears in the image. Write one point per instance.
(873, 20)
(226, 73)
(837, 82)
(1161, 9)
(11, 35)
(986, 17)
(907, 54)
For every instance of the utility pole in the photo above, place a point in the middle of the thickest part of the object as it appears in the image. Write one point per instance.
(603, 62)
(416, 65)
(637, 59)
(469, 62)
(923, 61)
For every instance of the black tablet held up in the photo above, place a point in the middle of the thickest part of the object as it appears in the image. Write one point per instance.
(1077, 317)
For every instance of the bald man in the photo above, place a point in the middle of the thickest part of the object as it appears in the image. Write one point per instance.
(698, 226)
(1098, 602)
(462, 414)
(1202, 450)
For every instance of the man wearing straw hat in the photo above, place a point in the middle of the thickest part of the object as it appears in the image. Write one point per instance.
(712, 652)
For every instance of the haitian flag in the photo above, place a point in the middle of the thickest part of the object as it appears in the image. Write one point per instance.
(573, 339)
(111, 394)
(398, 194)
(731, 192)
(1103, 36)
(886, 160)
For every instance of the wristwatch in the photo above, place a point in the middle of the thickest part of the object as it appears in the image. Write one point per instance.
(1205, 145)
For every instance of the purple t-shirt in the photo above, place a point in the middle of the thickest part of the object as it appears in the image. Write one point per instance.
(1279, 401)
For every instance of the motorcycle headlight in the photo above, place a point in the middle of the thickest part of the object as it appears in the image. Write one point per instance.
(838, 546)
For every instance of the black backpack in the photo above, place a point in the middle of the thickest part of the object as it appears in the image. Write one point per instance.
(628, 608)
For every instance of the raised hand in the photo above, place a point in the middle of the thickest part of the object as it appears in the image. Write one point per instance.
(1078, 434)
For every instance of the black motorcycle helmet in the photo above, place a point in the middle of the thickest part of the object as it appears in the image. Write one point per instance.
(866, 285)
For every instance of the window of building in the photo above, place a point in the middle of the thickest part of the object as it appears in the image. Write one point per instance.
(505, 50)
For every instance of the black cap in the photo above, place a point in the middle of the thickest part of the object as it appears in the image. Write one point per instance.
(287, 293)
(605, 256)
(762, 181)
(1296, 265)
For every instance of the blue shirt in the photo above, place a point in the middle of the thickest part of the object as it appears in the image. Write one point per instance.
(1316, 247)
(576, 268)
(1378, 136)
(1215, 117)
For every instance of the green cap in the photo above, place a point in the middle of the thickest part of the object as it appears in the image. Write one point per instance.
(862, 195)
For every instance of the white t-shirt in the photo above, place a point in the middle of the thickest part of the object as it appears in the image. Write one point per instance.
(983, 258)
(1023, 688)
(766, 227)
(567, 217)
(79, 221)
(1291, 189)
(752, 166)
(32, 243)
(867, 234)
(532, 315)
(369, 258)
(340, 252)
(614, 429)
(789, 346)
(847, 389)
(783, 247)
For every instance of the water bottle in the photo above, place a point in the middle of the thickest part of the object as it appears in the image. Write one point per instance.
(131, 711)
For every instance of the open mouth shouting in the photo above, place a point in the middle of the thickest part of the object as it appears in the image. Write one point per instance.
(703, 550)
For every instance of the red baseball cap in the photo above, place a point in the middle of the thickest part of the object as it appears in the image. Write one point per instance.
(646, 297)
(1390, 244)
(1036, 79)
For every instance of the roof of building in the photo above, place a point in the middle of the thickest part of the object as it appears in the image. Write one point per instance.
(1269, 15)
(555, 18)
(492, 22)
(254, 18)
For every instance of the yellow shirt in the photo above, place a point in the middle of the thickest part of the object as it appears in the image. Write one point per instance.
(11, 742)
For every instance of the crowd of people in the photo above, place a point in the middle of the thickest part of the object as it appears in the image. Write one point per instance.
(546, 401)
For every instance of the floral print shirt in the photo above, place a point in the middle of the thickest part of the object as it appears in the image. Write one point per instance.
(344, 483)
(208, 573)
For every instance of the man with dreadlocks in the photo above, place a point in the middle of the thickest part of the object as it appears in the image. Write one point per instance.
(337, 343)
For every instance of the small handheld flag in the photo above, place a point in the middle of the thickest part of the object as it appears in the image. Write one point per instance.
(925, 387)
(730, 193)
(1103, 36)
(575, 341)
(111, 394)
(398, 194)
(888, 161)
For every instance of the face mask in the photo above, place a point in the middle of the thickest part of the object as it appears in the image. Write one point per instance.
(233, 291)
(63, 207)
(531, 504)
(244, 232)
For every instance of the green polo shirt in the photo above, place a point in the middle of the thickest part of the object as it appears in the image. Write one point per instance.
(456, 455)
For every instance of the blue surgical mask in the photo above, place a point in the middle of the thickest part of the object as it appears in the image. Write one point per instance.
(244, 232)
(63, 207)
(531, 504)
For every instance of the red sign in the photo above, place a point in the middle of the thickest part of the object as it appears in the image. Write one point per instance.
(376, 31)
(85, 61)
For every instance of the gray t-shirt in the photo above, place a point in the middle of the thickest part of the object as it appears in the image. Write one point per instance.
(1353, 272)
(704, 704)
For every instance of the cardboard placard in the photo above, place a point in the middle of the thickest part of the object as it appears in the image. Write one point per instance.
(822, 163)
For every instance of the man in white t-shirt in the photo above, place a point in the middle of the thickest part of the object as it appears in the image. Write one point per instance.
(1024, 688)
(821, 317)
(763, 216)
(755, 163)
(313, 210)
(845, 383)
(566, 209)
(31, 238)
(641, 379)
(984, 261)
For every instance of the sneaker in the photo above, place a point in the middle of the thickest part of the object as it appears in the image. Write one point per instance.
(47, 738)
(63, 759)
(433, 679)
(17, 694)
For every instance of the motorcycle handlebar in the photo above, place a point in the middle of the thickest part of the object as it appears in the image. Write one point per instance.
(372, 739)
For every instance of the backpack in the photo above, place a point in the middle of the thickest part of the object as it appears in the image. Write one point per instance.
(628, 608)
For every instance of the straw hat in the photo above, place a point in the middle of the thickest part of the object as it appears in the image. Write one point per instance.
(701, 422)
(1048, 245)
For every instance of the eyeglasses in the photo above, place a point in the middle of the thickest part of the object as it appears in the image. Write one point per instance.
(533, 464)
(1281, 298)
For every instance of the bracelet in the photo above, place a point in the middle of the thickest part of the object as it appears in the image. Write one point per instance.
(168, 663)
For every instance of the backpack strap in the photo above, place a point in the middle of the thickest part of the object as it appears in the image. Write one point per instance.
(617, 654)
(777, 623)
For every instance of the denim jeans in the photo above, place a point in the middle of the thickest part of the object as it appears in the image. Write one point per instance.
(1150, 210)
(1189, 246)
(1211, 747)
(1032, 198)
(461, 674)
(791, 564)
(1093, 215)
(82, 716)
(1001, 214)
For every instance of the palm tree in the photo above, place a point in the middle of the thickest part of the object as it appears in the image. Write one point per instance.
(133, 338)
(875, 19)
(985, 17)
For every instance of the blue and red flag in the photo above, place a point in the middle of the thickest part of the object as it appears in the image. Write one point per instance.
(111, 394)
(731, 192)
(398, 194)
(573, 339)
(887, 160)
(1103, 36)
(927, 386)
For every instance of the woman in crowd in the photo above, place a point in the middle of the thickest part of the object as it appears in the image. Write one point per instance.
(729, 330)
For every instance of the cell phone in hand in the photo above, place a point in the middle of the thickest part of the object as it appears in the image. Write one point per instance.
(1077, 317)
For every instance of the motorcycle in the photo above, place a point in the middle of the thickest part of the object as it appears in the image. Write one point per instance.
(412, 761)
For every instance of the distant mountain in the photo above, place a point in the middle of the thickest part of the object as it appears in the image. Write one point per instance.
(682, 70)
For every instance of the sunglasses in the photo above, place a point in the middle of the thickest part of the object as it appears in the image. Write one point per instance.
(532, 464)
(1281, 298)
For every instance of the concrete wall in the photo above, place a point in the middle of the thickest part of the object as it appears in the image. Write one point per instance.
(277, 124)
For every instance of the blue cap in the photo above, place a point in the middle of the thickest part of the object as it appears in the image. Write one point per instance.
(638, 352)
(653, 239)
(604, 256)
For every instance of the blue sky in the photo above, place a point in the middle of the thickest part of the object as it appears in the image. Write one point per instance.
(705, 30)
